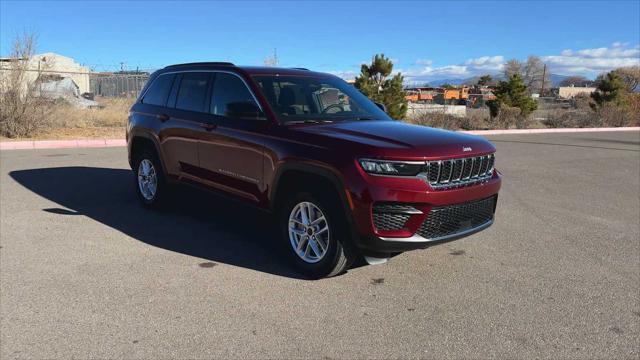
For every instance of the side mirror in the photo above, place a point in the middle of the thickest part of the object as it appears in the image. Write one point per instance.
(381, 106)
(244, 110)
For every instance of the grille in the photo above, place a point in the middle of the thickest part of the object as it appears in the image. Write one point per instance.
(451, 220)
(392, 216)
(458, 172)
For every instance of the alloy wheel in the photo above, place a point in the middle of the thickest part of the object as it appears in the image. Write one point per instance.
(147, 179)
(308, 232)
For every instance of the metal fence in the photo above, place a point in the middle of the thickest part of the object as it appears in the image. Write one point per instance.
(117, 85)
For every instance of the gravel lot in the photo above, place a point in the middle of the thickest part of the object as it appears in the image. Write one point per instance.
(86, 272)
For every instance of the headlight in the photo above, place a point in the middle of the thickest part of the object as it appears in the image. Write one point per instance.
(397, 168)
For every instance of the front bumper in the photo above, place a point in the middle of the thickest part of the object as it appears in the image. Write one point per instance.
(415, 193)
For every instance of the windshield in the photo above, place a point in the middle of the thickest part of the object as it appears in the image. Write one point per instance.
(303, 98)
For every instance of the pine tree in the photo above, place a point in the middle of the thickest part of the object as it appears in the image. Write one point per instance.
(485, 80)
(611, 89)
(375, 82)
(512, 93)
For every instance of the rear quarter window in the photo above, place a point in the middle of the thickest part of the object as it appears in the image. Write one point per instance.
(159, 90)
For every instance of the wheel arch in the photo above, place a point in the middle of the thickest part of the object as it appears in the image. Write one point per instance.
(287, 174)
(142, 140)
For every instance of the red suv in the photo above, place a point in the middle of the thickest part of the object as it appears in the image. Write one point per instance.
(343, 179)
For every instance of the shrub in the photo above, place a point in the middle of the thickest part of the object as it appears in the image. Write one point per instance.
(506, 118)
(476, 119)
(633, 102)
(571, 119)
(613, 115)
(22, 113)
(437, 120)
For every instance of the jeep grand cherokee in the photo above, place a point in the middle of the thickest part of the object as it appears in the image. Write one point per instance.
(342, 178)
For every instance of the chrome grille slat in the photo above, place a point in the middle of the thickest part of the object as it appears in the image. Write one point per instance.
(446, 170)
(466, 171)
(476, 167)
(485, 163)
(458, 172)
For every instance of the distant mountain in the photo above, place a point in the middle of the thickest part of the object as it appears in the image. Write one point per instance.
(441, 82)
(555, 80)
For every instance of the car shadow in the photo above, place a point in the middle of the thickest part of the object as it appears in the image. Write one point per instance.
(195, 223)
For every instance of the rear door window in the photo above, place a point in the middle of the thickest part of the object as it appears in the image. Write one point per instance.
(192, 93)
(159, 90)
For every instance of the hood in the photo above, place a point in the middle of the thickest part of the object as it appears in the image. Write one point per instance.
(398, 140)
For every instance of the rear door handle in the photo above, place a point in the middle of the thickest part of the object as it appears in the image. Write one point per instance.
(162, 117)
(208, 127)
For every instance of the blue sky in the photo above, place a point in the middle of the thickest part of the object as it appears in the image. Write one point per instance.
(428, 40)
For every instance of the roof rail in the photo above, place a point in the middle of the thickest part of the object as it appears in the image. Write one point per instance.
(214, 63)
(299, 68)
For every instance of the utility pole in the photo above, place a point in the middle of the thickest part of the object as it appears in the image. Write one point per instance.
(544, 75)
(275, 56)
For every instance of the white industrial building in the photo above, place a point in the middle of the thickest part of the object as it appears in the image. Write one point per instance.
(49, 67)
(569, 92)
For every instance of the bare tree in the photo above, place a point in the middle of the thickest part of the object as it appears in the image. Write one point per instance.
(21, 109)
(534, 74)
(630, 76)
(576, 81)
(512, 67)
(531, 71)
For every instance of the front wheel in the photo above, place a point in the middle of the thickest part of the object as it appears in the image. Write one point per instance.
(315, 236)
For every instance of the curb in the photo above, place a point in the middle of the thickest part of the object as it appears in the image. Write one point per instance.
(547, 131)
(61, 144)
(100, 143)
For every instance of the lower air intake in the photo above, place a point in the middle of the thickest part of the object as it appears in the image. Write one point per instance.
(446, 221)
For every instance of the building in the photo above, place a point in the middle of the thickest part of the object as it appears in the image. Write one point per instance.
(48, 67)
(569, 92)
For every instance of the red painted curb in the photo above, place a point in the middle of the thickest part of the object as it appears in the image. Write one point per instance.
(547, 131)
(98, 143)
(61, 144)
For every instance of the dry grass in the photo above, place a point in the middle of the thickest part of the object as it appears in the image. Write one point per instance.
(113, 112)
(67, 122)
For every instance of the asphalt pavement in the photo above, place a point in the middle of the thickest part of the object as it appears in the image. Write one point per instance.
(86, 272)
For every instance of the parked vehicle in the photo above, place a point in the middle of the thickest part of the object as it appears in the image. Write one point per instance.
(342, 179)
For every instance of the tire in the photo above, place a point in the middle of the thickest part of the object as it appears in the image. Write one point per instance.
(338, 254)
(147, 161)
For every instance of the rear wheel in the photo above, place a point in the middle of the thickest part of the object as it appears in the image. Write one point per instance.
(150, 183)
(315, 235)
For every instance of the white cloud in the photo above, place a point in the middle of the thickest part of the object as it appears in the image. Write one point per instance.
(469, 68)
(588, 62)
(344, 74)
(486, 62)
(425, 62)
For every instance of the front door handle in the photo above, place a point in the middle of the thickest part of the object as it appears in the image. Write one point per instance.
(162, 117)
(208, 127)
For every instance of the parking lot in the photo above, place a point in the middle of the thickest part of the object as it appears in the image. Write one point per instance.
(86, 272)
